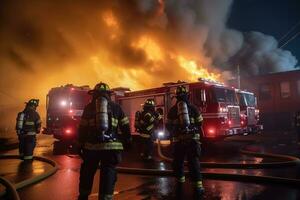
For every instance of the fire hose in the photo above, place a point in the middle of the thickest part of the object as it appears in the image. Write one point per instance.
(13, 187)
(289, 161)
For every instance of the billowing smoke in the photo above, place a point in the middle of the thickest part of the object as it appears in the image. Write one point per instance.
(260, 54)
(133, 43)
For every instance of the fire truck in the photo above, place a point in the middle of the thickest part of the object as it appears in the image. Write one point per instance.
(249, 112)
(65, 106)
(217, 103)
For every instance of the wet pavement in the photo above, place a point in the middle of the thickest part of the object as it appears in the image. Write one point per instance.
(64, 184)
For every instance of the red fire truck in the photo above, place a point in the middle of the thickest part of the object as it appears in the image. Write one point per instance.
(249, 112)
(65, 106)
(217, 102)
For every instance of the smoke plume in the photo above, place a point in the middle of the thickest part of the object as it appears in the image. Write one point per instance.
(133, 43)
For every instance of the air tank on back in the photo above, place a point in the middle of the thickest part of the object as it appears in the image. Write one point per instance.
(102, 114)
(20, 121)
(183, 114)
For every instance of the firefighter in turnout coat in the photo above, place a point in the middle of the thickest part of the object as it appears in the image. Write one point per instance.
(146, 123)
(184, 124)
(101, 143)
(27, 126)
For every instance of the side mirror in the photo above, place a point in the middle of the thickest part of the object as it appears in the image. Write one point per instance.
(203, 96)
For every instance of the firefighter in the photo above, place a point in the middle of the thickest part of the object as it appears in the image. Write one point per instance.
(27, 126)
(100, 142)
(297, 125)
(184, 125)
(146, 123)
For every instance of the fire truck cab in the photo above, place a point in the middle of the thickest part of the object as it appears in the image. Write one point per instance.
(249, 112)
(65, 106)
(217, 103)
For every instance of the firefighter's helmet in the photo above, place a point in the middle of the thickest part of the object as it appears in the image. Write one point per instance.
(181, 90)
(149, 103)
(33, 102)
(100, 88)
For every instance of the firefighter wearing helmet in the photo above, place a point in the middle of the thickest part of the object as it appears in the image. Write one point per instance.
(146, 123)
(100, 142)
(184, 123)
(28, 124)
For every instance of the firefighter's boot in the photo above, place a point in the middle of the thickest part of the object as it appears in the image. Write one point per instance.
(199, 190)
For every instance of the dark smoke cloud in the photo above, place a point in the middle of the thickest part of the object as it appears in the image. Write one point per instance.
(260, 54)
(46, 43)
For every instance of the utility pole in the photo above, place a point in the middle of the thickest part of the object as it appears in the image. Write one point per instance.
(238, 77)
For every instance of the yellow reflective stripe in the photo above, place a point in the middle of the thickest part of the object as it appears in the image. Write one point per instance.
(83, 122)
(199, 184)
(181, 179)
(144, 135)
(159, 117)
(150, 127)
(29, 123)
(104, 146)
(152, 119)
(192, 120)
(124, 121)
(148, 114)
(27, 157)
(114, 122)
(199, 118)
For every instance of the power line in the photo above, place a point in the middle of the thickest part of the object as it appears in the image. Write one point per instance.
(291, 30)
(289, 40)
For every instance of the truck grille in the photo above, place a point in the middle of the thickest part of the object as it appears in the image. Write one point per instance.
(234, 116)
(251, 116)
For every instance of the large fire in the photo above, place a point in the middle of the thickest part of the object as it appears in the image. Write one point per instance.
(109, 52)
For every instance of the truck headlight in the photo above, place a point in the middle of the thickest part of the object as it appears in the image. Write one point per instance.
(161, 134)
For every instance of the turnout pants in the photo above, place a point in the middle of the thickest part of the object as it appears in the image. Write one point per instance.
(147, 146)
(108, 160)
(191, 150)
(27, 144)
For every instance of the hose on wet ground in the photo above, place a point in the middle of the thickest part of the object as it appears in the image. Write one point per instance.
(34, 179)
(10, 189)
(288, 161)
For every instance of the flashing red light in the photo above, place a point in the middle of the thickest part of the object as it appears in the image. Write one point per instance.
(72, 88)
(242, 122)
(211, 132)
(229, 122)
(70, 111)
(68, 131)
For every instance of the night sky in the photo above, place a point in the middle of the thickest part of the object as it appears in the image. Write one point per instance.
(272, 17)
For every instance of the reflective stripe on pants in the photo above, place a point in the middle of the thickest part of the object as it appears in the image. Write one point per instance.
(104, 146)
